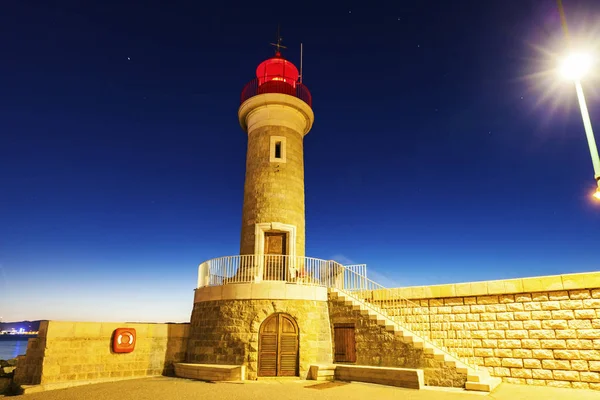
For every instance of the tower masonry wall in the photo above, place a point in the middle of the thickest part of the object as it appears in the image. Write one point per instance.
(226, 332)
(535, 331)
(273, 191)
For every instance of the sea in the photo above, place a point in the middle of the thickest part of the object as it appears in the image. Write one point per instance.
(12, 348)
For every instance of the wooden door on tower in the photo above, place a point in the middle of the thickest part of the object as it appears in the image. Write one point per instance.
(345, 343)
(278, 346)
(275, 256)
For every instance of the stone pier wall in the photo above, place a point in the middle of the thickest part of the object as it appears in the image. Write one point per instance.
(72, 352)
(226, 331)
(535, 331)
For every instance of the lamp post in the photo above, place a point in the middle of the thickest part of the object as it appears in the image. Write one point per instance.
(574, 68)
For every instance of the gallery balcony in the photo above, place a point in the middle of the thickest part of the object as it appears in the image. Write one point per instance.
(276, 85)
(253, 268)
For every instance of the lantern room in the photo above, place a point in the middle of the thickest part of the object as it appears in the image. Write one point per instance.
(277, 68)
(277, 75)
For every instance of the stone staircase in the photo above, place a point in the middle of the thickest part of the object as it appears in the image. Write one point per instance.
(478, 378)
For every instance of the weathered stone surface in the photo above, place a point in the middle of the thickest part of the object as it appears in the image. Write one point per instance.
(501, 371)
(273, 191)
(579, 294)
(530, 343)
(495, 362)
(522, 353)
(520, 373)
(566, 354)
(515, 307)
(512, 362)
(565, 375)
(590, 376)
(560, 328)
(4, 384)
(5, 371)
(550, 305)
(579, 365)
(541, 374)
(377, 347)
(532, 363)
(226, 331)
(503, 352)
(556, 364)
(77, 351)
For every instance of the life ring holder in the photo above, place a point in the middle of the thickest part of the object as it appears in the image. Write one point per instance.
(124, 340)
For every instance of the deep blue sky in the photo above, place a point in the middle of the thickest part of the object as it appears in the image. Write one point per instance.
(437, 154)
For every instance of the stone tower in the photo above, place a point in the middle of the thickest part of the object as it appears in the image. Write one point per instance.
(266, 309)
(276, 113)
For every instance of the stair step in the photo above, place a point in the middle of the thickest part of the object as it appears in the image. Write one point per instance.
(462, 370)
(449, 361)
(485, 386)
(329, 372)
(327, 368)
(480, 375)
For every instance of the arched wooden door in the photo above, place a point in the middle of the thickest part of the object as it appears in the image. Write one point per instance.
(278, 346)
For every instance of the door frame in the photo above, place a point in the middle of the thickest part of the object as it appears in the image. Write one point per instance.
(259, 245)
(279, 316)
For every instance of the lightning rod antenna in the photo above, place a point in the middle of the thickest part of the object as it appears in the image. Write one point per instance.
(301, 76)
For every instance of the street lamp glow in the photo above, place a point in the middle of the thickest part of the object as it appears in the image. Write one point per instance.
(576, 65)
(597, 194)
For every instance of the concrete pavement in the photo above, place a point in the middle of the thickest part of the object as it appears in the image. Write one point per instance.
(166, 388)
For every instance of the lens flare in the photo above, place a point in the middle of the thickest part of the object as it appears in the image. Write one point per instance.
(576, 66)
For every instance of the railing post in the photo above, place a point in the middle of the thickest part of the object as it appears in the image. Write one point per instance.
(338, 274)
(259, 262)
(203, 276)
(291, 268)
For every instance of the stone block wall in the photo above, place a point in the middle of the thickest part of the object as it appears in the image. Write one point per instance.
(226, 331)
(547, 336)
(377, 347)
(273, 191)
(82, 351)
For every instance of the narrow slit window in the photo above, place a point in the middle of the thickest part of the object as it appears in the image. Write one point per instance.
(277, 150)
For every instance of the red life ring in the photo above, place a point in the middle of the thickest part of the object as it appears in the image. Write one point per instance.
(124, 340)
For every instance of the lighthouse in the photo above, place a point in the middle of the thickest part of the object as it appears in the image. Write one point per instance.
(276, 113)
(266, 309)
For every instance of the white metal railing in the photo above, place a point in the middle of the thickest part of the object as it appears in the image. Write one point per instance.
(434, 324)
(355, 277)
(256, 268)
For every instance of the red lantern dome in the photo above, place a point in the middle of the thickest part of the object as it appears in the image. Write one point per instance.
(278, 69)
(277, 75)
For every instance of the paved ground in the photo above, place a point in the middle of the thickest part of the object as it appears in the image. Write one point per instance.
(164, 388)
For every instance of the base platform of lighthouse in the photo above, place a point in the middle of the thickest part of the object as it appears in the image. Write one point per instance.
(272, 328)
